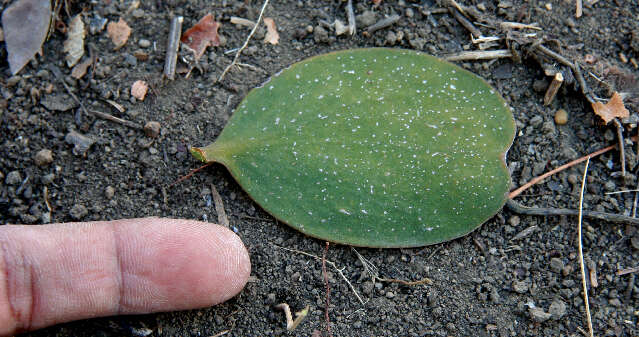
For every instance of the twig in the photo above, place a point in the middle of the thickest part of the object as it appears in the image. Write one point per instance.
(328, 291)
(627, 271)
(580, 247)
(328, 262)
(172, 47)
(578, 9)
(622, 191)
(553, 88)
(373, 271)
(299, 316)
(609, 217)
(527, 185)
(239, 51)
(572, 65)
(58, 74)
(222, 219)
(352, 27)
(630, 287)
(478, 55)
(242, 22)
(191, 174)
(517, 25)
(464, 22)
(621, 147)
(383, 23)
(221, 333)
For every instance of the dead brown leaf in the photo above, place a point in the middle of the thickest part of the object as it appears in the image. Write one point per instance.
(611, 110)
(139, 89)
(74, 44)
(377, 2)
(80, 69)
(272, 36)
(202, 35)
(119, 33)
(25, 24)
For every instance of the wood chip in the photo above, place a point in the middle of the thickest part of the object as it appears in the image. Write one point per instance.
(119, 33)
(272, 36)
(80, 69)
(139, 89)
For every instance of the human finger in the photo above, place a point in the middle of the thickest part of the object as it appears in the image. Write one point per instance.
(63, 272)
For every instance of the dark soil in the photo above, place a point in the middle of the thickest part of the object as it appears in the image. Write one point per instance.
(484, 284)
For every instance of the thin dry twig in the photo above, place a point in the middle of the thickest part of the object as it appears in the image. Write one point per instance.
(352, 28)
(627, 271)
(478, 55)
(194, 171)
(463, 21)
(535, 180)
(248, 38)
(373, 271)
(291, 323)
(608, 217)
(222, 219)
(339, 271)
(622, 152)
(383, 23)
(328, 292)
(172, 47)
(581, 253)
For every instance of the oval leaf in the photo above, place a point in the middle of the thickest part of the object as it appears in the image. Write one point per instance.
(372, 147)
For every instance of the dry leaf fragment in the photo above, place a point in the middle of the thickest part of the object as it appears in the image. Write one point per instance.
(80, 69)
(609, 111)
(74, 44)
(272, 36)
(25, 24)
(139, 89)
(201, 35)
(119, 33)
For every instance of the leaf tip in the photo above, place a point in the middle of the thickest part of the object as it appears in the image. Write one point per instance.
(198, 154)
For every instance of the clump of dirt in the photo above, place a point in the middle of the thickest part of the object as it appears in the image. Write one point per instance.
(515, 276)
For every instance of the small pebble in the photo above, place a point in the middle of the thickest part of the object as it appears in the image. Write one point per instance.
(561, 117)
(390, 294)
(152, 129)
(557, 309)
(556, 264)
(144, 43)
(43, 157)
(47, 179)
(514, 221)
(78, 211)
(13, 178)
(366, 19)
(109, 192)
(538, 315)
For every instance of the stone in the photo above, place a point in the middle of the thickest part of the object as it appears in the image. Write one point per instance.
(557, 309)
(13, 178)
(152, 129)
(78, 211)
(109, 192)
(556, 265)
(43, 157)
(366, 19)
(538, 315)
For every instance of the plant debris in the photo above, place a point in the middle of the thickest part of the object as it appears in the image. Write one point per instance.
(611, 110)
(80, 69)
(25, 24)
(74, 44)
(119, 33)
(139, 89)
(201, 35)
(272, 36)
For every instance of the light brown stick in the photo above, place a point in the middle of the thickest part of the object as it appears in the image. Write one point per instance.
(535, 180)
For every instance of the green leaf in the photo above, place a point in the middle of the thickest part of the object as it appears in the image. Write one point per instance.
(371, 147)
